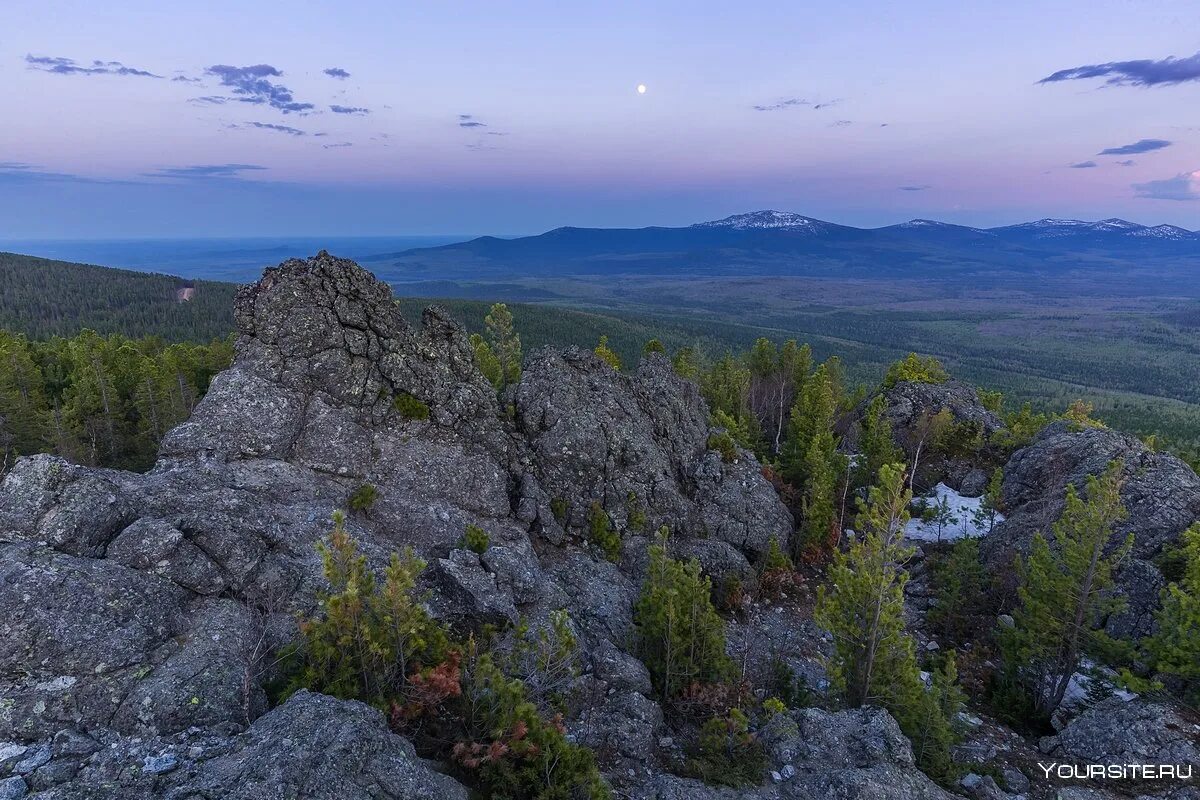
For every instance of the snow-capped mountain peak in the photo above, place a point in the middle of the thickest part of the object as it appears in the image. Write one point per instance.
(761, 220)
(1164, 232)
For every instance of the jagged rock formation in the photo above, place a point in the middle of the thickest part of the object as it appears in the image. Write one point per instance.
(1160, 492)
(139, 614)
(909, 406)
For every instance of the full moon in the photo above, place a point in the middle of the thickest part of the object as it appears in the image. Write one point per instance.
(641, 88)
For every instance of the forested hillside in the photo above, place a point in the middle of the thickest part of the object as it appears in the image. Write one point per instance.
(99, 400)
(43, 298)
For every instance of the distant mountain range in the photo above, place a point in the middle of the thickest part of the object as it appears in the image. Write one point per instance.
(782, 243)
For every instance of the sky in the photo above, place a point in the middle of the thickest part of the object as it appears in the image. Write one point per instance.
(139, 118)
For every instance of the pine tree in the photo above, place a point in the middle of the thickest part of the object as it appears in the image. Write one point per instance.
(680, 636)
(607, 354)
(686, 363)
(1062, 592)
(989, 506)
(812, 414)
(875, 443)
(959, 581)
(824, 467)
(487, 362)
(22, 396)
(874, 660)
(863, 606)
(926, 715)
(1175, 648)
(368, 640)
(725, 387)
(505, 343)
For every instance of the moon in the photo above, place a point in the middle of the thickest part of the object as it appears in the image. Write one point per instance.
(641, 89)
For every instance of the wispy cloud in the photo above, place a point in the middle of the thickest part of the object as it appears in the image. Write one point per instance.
(791, 102)
(250, 84)
(1127, 163)
(349, 110)
(795, 102)
(915, 188)
(66, 66)
(1142, 72)
(1140, 146)
(336, 145)
(337, 72)
(841, 123)
(270, 126)
(204, 171)
(1083, 165)
(1185, 186)
(469, 121)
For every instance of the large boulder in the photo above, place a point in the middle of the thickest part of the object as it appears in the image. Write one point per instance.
(850, 755)
(1160, 492)
(313, 747)
(1120, 733)
(638, 442)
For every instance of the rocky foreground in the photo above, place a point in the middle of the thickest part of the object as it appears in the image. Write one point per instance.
(141, 614)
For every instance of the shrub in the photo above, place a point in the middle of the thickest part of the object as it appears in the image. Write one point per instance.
(653, 346)
(680, 636)
(475, 539)
(773, 706)
(602, 532)
(609, 355)
(775, 557)
(487, 361)
(686, 363)
(368, 641)
(777, 574)
(546, 662)
(724, 444)
(409, 406)
(511, 751)
(363, 497)
(789, 687)
(916, 369)
(728, 753)
(991, 400)
(1019, 428)
(1079, 413)
(558, 507)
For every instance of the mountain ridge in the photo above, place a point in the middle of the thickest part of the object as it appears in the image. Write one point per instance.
(776, 243)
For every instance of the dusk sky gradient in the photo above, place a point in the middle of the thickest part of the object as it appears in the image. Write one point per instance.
(132, 118)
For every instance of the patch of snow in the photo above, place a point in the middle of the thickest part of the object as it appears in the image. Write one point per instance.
(962, 518)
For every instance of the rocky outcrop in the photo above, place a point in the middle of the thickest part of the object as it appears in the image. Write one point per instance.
(312, 746)
(638, 441)
(1160, 492)
(909, 407)
(143, 612)
(855, 755)
(1121, 733)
